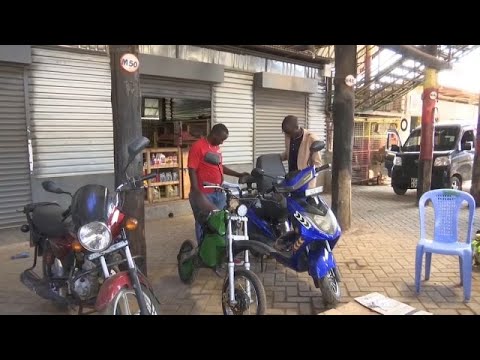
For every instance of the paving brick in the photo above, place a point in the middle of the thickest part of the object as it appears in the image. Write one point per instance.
(465, 312)
(292, 291)
(298, 299)
(275, 311)
(279, 296)
(392, 292)
(305, 309)
(447, 305)
(185, 309)
(475, 307)
(445, 312)
(285, 305)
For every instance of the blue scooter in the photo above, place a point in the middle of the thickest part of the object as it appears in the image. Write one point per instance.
(293, 223)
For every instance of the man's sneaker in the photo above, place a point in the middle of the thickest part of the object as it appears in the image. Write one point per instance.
(238, 262)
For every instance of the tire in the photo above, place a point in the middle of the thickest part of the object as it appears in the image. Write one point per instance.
(399, 191)
(47, 275)
(187, 270)
(240, 295)
(330, 288)
(456, 182)
(152, 303)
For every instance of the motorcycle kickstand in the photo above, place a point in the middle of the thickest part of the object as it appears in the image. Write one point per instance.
(262, 267)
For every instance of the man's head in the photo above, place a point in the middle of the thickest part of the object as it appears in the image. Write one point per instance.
(218, 135)
(290, 126)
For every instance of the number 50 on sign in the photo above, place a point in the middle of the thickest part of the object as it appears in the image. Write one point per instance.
(129, 62)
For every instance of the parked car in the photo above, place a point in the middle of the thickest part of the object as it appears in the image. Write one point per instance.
(453, 155)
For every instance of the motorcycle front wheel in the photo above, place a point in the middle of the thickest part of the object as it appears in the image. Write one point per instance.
(330, 288)
(126, 303)
(255, 304)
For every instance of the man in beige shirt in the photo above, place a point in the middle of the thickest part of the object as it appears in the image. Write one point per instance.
(297, 146)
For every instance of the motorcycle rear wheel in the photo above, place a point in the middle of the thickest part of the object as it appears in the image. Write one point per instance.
(121, 304)
(187, 269)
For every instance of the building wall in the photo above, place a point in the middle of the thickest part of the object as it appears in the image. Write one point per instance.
(71, 111)
(447, 111)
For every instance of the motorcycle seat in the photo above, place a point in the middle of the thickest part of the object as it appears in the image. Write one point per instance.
(47, 219)
(30, 207)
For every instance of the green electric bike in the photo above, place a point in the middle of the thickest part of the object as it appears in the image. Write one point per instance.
(225, 235)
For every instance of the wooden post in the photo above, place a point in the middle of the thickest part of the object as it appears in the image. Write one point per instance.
(343, 124)
(475, 189)
(127, 126)
(429, 97)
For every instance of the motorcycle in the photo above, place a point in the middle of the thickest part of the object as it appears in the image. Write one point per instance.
(219, 225)
(294, 223)
(85, 247)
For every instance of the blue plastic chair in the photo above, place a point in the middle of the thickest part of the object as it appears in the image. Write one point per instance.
(446, 204)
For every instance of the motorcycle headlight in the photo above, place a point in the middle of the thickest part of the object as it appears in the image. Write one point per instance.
(328, 223)
(242, 210)
(95, 236)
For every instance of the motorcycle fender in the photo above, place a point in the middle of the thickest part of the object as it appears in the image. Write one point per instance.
(113, 285)
(321, 263)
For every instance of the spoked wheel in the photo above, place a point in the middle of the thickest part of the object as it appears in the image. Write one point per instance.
(187, 268)
(246, 282)
(330, 288)
(126, 303)
(456, 183)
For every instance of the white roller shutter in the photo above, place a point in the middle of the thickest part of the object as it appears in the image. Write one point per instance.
(175, 89)
(316, 112)
(15, 189)
(271, 107)
(71, 113)
(233, 106)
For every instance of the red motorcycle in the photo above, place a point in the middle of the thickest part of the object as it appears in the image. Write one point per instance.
(85, 247)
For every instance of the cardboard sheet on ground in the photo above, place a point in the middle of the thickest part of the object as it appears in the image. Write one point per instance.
(387, 306)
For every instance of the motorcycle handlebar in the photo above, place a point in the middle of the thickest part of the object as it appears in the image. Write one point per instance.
(322, 168)
(148, 177)
(135, 183)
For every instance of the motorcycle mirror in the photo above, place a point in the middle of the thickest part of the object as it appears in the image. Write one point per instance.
(50, 186)
(257, 172)
(318, 145)
(135, 148)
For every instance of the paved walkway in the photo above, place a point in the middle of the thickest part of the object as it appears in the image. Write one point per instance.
(377, 254)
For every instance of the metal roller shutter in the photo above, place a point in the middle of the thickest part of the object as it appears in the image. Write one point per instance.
(71, 113)
(271, 107)
(233, 106)
(15, 189)
(176, 89)
(316, 112)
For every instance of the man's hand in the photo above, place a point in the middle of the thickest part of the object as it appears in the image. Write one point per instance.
(243, 177)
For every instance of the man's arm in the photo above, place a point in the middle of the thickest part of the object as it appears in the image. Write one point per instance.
(193, 162)
(316, 159)
(231, 172)
(193, 180)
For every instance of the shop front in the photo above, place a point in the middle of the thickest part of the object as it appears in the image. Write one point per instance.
(182, 96)
(15, 189)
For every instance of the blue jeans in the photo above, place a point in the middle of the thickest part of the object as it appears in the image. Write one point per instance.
(218, 199)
